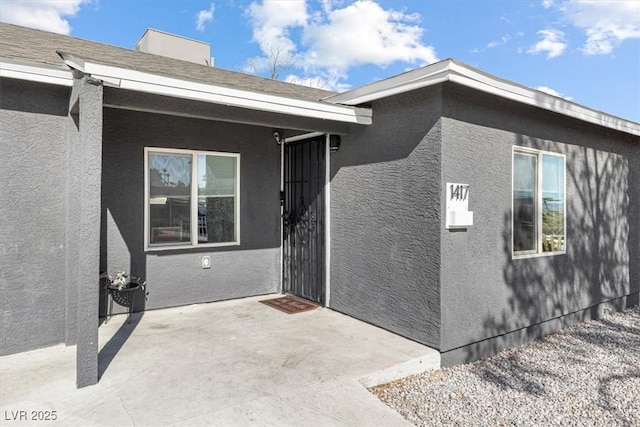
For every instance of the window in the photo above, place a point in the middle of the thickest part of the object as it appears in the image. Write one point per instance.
(538, 202)
(182, 211)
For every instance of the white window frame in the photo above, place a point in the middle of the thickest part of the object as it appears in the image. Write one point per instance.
(538, 252)
(194, 200)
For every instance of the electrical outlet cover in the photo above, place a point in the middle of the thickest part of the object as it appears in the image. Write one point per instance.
(206, 262)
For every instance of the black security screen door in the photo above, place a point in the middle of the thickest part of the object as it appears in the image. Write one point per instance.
(303, 222)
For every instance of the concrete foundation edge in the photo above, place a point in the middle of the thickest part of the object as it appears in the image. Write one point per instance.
(493, 345)
(412, 367)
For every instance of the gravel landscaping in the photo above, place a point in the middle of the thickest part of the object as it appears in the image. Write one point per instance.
(586, 375)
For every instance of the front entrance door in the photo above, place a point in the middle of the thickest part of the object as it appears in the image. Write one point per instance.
(303, 221)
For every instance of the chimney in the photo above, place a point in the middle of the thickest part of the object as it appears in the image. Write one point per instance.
(174, 46)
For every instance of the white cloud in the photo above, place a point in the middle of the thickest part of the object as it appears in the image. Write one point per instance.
(335, 38)
(492, 44)
(272, 22)
(46, 15)
(552, 43)
(365, 33)
(547, 3)
(606, 23)
(203, 17)
(553, 92)
(503, 40)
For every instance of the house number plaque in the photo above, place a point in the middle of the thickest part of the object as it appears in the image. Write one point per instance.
(457, 206)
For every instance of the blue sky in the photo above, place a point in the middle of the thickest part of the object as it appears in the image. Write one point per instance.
(586, 51)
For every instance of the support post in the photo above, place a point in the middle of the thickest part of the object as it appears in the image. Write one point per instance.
(83, 225)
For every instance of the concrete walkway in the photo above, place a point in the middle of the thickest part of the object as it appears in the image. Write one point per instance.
(228, 363)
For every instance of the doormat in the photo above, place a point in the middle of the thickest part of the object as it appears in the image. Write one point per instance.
(290, 304)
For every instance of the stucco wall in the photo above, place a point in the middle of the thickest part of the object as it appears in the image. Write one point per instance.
(176, 277)
(385, 208)
(486, 293)
(83, 225)
(33, 173)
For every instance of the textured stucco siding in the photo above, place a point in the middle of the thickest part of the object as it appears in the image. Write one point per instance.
(385, 208)
(485, 292)
(33, 173)
(83, 225)
(176, 277)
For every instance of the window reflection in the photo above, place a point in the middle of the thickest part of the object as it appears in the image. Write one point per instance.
(538, 202)
(524, 202)
(180, 214)
(216, 198)
(169, 198)
(552, 203)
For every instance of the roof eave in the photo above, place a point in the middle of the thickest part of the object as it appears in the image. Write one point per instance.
(35, 73)
(452, 71)
(160, 85)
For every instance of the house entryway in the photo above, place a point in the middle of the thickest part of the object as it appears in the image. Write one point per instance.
(246, 364)
(304, 219)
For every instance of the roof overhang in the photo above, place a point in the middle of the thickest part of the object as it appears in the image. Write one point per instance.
(39, 73)
(160, 85)
(452, 71)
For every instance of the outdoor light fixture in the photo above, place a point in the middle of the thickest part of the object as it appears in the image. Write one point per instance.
(334, 143)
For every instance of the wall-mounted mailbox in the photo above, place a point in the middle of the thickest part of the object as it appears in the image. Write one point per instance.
(457, 206)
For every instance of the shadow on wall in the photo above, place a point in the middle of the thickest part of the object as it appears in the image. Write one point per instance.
(122, 219)
(385, 245)
(120, 245)
(36, 98)
(115, 245)
(601, 264)
(401, 125)
(601, 261)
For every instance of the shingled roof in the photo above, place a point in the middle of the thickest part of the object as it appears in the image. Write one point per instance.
(39, 47)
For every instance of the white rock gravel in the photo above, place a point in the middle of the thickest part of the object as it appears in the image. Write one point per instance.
(585, 375)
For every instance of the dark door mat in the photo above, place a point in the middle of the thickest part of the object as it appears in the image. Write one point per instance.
(290, 304)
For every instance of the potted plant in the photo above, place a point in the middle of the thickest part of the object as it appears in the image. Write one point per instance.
(122, 289)
(123, 281)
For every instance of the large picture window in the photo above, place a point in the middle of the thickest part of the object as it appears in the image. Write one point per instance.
(192, 198)
(539, 205)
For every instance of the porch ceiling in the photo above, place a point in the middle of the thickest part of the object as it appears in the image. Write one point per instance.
(159, 104)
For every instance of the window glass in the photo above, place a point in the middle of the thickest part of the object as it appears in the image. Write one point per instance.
(552, 203)
(169, 198)
(193, 198)
(538, 202)
(216, 198)
(524, 202)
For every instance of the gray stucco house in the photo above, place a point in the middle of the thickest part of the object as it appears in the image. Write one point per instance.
(454, 208)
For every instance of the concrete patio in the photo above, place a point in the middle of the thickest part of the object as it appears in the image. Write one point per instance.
(228, 363)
